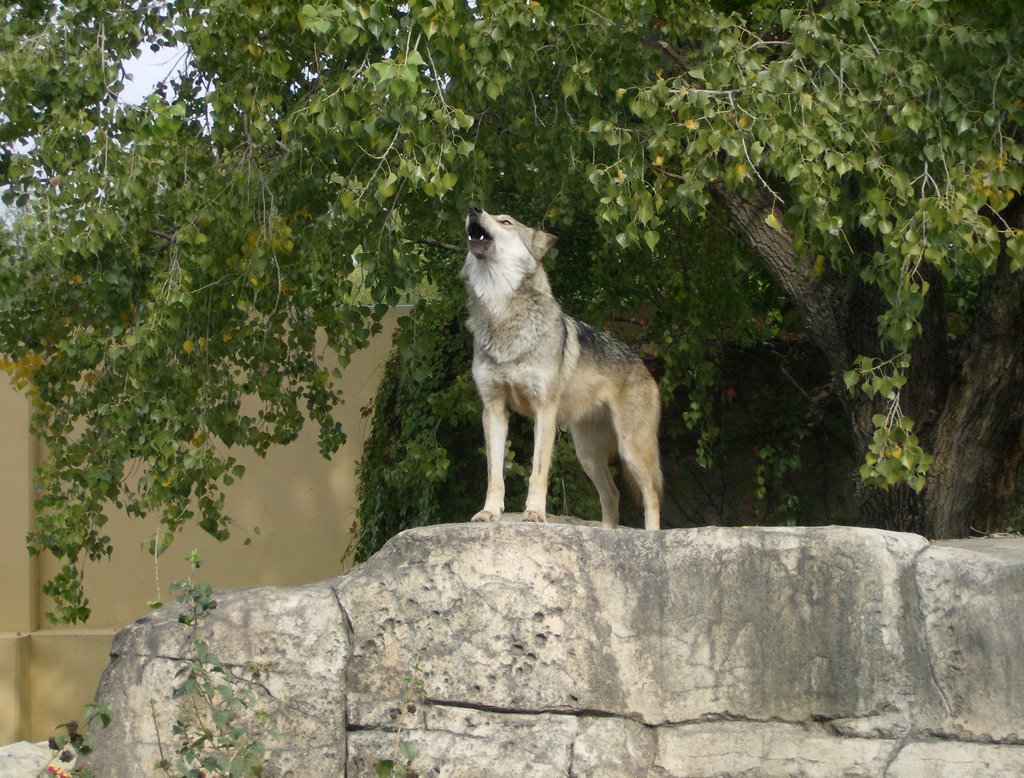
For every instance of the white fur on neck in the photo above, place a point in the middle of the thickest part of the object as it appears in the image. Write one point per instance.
(495, 282)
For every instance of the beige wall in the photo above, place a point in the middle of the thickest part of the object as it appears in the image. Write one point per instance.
(303, 505)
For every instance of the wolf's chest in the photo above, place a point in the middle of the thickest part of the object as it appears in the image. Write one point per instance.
(502, 346)
(523, 385)
(523, 331)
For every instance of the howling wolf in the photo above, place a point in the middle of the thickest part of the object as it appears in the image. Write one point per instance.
(530, 357)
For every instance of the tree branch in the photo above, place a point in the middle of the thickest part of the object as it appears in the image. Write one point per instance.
(814, 294)
(436, 244)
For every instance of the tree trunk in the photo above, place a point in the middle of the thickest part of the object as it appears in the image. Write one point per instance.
(979, 440)
(970, 418)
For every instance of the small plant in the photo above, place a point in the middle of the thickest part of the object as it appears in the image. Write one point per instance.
(219, 730)
(405, 750)
(74, 748)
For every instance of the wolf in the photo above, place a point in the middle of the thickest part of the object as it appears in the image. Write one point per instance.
(530, 357)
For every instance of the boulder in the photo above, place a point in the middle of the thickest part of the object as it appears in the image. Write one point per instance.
(568, 650)
(24, 760)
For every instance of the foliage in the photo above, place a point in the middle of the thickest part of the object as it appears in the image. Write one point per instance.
(1015, 522)
(219, 730)
(177, 261)
(181, 268)
(76, 746)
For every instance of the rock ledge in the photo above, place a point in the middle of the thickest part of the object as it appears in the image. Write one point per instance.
(568, 650)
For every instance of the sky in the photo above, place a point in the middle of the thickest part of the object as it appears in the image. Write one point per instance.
(147, 69)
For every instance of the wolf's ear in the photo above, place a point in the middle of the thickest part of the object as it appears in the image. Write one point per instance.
(542, 241)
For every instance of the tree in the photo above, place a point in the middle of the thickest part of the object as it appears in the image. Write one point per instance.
(870, 154)
(163, 294)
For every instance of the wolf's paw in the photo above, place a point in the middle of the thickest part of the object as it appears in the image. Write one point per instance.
(485, 515)
(533, 516)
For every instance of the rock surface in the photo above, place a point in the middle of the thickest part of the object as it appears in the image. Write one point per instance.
(564, 650)
(23, 760)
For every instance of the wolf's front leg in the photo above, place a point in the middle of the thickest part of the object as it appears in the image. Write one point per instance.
(495, 420)
(543, 441)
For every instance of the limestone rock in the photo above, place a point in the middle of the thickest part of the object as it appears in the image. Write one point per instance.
(23, 760)
(292, 643)
(972, 601)
(565, 649)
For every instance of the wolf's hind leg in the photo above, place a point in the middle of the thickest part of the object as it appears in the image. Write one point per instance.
(594, 439)
(636, 425)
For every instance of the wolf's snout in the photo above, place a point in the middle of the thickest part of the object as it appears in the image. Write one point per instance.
(474, 230)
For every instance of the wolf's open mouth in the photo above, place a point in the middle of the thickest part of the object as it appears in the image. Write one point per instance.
(476, 232)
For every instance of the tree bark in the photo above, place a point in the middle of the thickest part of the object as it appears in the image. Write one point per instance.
(979, 440)
(970, 415)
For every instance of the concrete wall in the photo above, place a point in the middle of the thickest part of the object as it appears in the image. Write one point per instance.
(303, 505)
